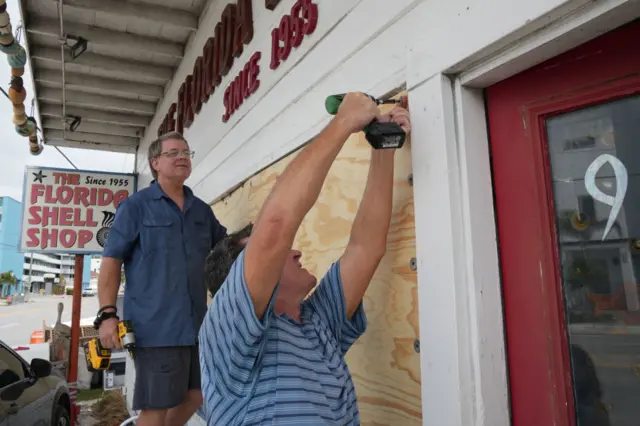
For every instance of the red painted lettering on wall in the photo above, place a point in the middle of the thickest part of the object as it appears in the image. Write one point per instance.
(292, 29)
(244, 85)
(234, 30)
(169, 122)
(185, 103)
(207, 70)
(196, 87)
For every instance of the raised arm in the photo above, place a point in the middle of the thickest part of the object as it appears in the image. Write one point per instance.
(293, 195)
(368, 240)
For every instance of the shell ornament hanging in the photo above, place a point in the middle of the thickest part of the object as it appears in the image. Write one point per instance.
(17, 58)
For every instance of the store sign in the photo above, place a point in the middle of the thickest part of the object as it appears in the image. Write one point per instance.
(230, 35)
(70, 211)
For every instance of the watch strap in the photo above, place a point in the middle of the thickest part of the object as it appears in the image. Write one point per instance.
(103, 316)
(101, 310)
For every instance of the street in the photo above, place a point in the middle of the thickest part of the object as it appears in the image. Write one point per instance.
(617, 361)
(17, 322)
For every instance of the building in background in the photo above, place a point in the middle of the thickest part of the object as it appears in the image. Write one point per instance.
(32, 270)
(96, 261)
(43, 268)
(10, 258)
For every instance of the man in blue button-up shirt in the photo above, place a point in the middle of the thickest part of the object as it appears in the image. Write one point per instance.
(163, 235)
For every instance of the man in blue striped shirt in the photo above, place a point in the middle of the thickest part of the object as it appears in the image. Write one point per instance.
(269, 354)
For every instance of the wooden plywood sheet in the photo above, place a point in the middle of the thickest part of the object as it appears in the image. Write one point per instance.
(384, 363)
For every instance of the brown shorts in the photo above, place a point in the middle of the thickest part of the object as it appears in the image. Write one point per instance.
(164, 376)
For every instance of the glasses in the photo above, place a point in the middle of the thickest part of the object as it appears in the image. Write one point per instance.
(175, 153)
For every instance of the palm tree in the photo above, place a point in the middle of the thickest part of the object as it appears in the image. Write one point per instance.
(7, 278)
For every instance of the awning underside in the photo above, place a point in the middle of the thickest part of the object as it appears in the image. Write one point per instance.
(119, 57)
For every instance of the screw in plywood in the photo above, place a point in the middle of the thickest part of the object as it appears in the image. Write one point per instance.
(413, 264)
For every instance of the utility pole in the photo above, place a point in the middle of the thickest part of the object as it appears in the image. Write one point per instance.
(27, 294)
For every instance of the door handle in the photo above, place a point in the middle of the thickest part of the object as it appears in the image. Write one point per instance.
(13, 409)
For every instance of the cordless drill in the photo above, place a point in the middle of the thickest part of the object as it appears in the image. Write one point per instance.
(99, 357)
(380, 135)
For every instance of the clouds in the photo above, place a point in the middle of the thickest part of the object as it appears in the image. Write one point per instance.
(14, 149)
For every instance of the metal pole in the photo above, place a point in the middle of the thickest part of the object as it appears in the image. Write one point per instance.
(72, 375)
(27, 295)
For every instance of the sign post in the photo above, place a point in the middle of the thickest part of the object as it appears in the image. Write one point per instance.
(72, 371)
(71, 211)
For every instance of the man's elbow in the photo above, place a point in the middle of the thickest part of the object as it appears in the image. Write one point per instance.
(109, 268)
(272, 228)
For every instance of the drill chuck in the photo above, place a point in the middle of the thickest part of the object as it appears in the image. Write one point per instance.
(126, 335)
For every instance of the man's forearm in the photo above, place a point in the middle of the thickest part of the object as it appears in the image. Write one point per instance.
(109, 281)
(298, 188)
(371, 225)
(293, 195)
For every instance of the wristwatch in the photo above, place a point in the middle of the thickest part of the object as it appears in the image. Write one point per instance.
(102, 315)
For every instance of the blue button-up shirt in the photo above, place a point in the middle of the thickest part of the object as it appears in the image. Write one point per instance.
(164, 251)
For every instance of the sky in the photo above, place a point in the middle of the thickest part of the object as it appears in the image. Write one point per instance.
(14, 149)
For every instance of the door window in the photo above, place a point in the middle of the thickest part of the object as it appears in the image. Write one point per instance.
(595, 166)
(11, 368)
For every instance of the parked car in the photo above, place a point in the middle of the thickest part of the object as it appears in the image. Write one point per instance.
(29, 394)
(89, 292)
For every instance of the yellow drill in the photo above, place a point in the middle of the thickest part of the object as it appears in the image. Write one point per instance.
(99, 357)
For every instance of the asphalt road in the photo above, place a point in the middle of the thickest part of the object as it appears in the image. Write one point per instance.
(617, 361)
(17, 322)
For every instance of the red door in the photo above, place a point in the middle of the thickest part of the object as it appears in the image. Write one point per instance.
(565, 146)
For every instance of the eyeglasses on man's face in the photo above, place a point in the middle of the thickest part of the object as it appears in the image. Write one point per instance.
(178, 153)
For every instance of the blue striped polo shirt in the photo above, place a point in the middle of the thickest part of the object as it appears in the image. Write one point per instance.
(277, 371)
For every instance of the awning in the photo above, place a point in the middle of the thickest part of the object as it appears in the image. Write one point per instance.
(100, 68)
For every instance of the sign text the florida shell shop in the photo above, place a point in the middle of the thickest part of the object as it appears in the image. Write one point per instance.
(70, 211)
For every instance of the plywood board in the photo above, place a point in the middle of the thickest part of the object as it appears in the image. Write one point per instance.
(384, 363)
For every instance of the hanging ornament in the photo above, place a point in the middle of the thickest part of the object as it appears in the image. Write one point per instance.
(17, 57)
(34, 146)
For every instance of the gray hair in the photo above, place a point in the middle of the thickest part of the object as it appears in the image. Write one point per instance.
(155, 149)
(222, 257)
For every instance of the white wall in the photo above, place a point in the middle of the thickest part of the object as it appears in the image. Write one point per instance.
(365, 45)
(377, 46)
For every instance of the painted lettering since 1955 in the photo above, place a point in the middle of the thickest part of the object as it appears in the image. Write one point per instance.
(230, 35)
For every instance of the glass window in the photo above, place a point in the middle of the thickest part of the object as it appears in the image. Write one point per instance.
(595, 165)
(11, 368)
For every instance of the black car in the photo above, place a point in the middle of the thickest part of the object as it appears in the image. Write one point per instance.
(29, 394)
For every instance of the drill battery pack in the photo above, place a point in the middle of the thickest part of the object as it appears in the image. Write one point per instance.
(97, 357)
(385, 135)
